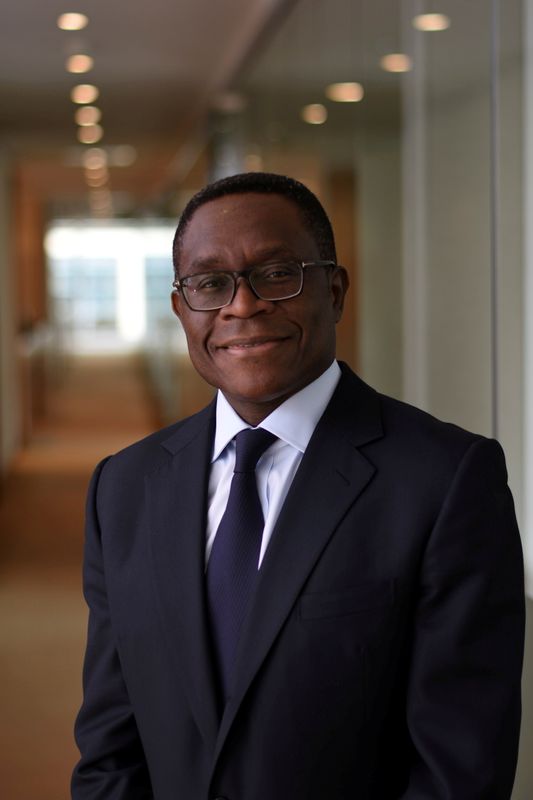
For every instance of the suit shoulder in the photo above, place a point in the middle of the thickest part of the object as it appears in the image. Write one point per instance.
(402, 425)
(428, 445)
(423, 455)
(401, 416)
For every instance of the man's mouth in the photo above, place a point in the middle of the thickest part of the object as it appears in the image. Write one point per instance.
(256, 343)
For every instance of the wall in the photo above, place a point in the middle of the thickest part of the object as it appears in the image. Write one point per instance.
(380, 258)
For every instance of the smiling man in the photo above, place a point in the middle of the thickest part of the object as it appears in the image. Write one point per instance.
(308, 590)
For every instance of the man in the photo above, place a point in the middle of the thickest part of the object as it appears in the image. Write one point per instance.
(373, 650)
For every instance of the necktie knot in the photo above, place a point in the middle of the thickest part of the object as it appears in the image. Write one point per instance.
(250, 446)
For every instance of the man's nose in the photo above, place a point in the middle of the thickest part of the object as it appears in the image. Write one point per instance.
(245, 302)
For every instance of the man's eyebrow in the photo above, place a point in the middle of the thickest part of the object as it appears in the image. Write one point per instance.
(206, 263)
(278, 251)
(203, 263)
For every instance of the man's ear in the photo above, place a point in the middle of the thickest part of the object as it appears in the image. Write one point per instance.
(340, 283)
(175, 299)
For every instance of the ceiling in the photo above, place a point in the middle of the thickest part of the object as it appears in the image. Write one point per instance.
(157, 65)
(161, 66)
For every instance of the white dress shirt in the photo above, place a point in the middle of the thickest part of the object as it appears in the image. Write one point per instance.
(293, 422)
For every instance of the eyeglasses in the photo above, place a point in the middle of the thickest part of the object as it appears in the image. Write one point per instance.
(280, 280)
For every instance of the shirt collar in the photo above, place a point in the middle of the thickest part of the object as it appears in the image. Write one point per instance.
(294, 421)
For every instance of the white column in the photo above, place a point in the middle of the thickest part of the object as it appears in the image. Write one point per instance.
(528, 295)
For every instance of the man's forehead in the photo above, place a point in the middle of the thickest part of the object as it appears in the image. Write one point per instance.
(261, 203)
(266, 221)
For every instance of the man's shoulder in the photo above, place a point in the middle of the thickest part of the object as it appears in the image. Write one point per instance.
(407, 433)
(403, 417)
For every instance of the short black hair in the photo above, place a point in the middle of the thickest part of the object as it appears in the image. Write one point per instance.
(313, 214)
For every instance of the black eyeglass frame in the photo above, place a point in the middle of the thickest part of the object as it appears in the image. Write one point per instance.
(181, 283)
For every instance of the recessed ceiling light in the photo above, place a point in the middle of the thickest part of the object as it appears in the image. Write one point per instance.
(314, 114)
(97, 172)
(79, 63)
(396, 62)
(96, 180)
(90, 134)
(88, 115)
(95, 158)
(84, 93)
(72, 22)
(431, 22)
(346, 92)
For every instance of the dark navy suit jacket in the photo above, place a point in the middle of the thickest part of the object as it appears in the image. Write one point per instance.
(382, 653)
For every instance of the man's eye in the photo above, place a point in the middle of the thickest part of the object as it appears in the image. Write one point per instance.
(210, 283)
(277, 272)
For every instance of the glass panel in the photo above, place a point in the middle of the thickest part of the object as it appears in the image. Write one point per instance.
(448, 212)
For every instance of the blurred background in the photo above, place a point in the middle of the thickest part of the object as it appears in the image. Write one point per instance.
(413, 122)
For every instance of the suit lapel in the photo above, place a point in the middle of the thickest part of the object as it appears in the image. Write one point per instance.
(177, 501)
(331, 476)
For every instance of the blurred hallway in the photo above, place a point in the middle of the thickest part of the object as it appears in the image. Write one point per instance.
(96, 406)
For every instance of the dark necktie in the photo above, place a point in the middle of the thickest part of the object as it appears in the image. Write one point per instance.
(233, 563)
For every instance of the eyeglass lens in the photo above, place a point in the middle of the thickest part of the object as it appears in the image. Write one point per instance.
(208, 291)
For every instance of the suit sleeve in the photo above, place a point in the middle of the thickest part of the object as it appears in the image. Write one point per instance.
(112, 764)
(463, 705)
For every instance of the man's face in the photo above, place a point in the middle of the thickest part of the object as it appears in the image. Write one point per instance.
(258, 352)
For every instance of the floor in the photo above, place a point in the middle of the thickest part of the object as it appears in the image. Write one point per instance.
(94, 407)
